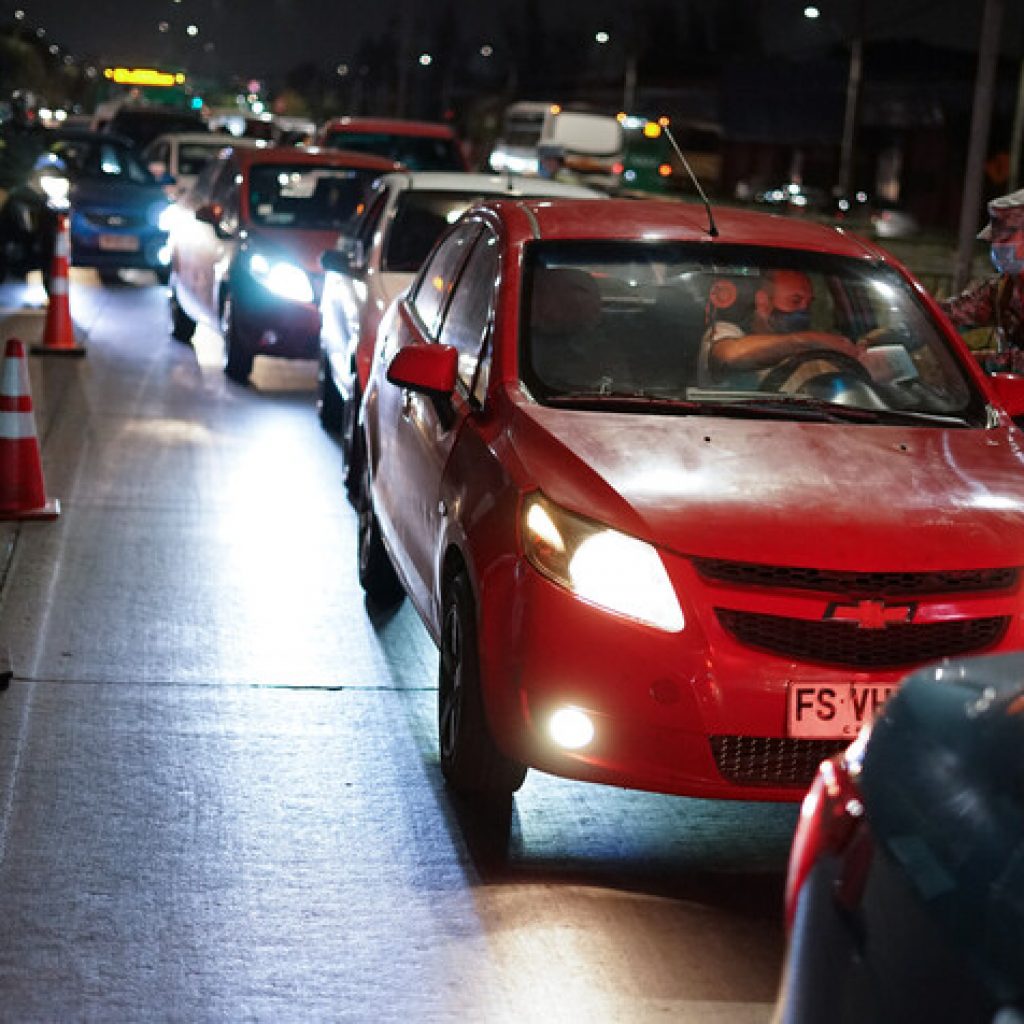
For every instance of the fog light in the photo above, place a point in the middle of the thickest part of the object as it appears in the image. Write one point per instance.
(571, 728)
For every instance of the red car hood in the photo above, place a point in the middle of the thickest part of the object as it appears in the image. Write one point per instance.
(804, 494)
(303, 247)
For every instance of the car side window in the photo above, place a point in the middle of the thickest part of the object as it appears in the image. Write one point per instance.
(204, 183)
(438, 276)
(468, 320)
(225, 191)
(367, 226)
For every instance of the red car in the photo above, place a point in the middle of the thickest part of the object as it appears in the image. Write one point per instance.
(643, 572)
(245, 246)
(416, 145)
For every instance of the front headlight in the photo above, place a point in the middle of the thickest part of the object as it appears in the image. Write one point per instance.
(609, 569)
(167, 216)
(57, 189)
(281, 277)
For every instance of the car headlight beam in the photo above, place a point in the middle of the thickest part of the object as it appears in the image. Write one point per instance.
(284, 279)
(57, 189)
(600, 565)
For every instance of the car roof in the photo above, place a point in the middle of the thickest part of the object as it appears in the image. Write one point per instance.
(225, 138)
(672, 220)
(391, 125)
(488, 184)
(89, 135)
(248, 156)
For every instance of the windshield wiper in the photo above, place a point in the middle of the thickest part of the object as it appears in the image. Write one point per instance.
(837, 412)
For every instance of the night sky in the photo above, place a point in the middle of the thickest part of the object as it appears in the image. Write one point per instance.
(268, 37)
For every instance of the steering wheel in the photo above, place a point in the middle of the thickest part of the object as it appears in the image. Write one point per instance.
(843, 363)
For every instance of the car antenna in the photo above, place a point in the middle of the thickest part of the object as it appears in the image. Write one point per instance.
(712, 229)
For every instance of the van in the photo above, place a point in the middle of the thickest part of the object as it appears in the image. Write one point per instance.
(590, 143)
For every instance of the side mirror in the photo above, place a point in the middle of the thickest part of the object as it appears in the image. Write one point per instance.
(1009, 389)
(335, 260)
(348, 258)
(212, 214)
(429, 369)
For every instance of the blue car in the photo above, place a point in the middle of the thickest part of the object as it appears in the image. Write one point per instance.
(905, 896)
(117, 208)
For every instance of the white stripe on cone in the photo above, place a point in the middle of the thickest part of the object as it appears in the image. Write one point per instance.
(17, 426)
(58, 286)
(14, 382)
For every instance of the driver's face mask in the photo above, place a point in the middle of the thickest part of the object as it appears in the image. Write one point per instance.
(789, 321)
(1008, 258)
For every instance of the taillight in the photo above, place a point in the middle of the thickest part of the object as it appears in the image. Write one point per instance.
(665, 170)
(618, 168)
(829, 816)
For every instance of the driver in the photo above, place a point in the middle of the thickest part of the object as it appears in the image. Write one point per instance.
(780, 328)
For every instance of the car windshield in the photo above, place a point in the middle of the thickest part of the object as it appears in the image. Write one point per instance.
(193, 156)
(306, 196)
(419, 219)
(99, 158)
(648, 325)
(417, 152)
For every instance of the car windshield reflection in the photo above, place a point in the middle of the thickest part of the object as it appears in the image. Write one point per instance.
(736, 330)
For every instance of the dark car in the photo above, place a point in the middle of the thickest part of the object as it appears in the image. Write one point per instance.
(142, 124)
(905, 896)
(116, 206)
(416, 145)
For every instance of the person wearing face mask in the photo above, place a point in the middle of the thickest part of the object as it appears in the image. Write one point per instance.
(780, 328)
(998, 302)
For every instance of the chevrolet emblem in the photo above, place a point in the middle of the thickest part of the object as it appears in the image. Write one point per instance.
(870, 614)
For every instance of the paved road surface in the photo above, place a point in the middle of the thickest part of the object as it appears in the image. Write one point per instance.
(219, 791)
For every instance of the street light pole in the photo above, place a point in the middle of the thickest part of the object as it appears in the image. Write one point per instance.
(981, 115)
(844, 184)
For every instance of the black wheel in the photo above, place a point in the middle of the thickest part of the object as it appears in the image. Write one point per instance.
(377, 575)
(238, 357)
(163, 275)
(330, 406)
(471, 762)
(182, 325)
(109, 277)
(352, 444)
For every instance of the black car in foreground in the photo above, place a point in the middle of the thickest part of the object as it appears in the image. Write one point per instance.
(905, 895)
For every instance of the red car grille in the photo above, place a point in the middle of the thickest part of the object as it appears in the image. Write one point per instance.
(832, 642)
(769, 761)
(857, 584)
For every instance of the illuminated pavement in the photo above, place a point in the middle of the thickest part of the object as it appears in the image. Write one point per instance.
(219, 792)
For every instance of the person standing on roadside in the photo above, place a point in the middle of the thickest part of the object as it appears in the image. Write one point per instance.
(998, 301)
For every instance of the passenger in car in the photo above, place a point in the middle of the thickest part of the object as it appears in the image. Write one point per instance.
(569, 350)
(780, 327)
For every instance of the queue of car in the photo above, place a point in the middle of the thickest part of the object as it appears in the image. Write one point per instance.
(799, 588)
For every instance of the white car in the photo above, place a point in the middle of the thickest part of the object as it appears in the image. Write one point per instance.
(376, 259)
(177, 158)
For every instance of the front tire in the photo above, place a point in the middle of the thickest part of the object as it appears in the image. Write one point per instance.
(238, 356)
(471, 762)
(330, 406)
(377, 575)
(183, 327)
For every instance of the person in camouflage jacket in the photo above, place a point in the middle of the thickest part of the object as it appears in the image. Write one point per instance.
(998, 302)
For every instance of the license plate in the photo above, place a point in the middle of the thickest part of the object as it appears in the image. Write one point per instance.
(119, 243)
(833, 711)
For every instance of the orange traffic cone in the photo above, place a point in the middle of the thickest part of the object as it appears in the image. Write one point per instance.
(22, 493)
(59, 333)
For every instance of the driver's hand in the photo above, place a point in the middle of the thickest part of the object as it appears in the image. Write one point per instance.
(877, 336)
